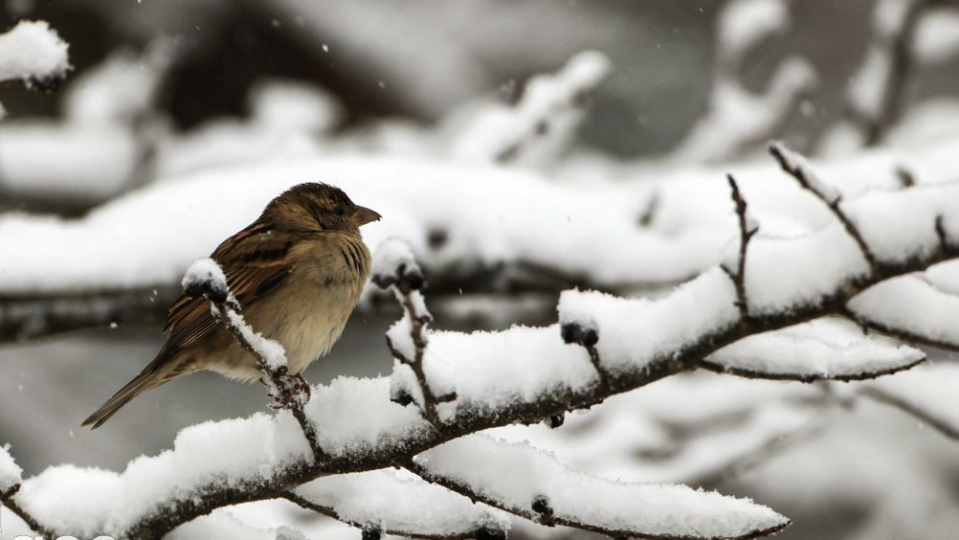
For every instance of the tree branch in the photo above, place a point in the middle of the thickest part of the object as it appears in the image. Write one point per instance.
(7, 499)
(881, 396)
(205, 278)
(747, 229)
(396, 269)
(796, 166)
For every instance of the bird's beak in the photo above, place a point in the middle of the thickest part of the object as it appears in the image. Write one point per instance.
(364, 215)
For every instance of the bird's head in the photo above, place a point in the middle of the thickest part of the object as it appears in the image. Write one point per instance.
(316, 207)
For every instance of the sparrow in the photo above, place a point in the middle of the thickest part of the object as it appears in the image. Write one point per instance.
(297, 272)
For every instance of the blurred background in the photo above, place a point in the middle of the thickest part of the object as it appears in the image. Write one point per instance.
(162, 90)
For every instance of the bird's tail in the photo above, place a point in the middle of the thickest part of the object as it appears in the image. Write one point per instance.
(144, 381)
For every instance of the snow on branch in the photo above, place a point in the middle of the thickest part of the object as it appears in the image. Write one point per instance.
(875, 94)
(399, 504)
(738, 121)
(10, 472)
(10, 481)
(34, 53)
(911, 309)
(206, 278)
(224, 525)
(799, 168)
(542, 124)
(823, 349)
(526, 482)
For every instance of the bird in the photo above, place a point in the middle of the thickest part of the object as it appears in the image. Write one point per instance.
(297, 273)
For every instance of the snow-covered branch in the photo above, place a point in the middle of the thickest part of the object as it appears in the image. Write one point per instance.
(799, 168)
(10, 481)
(34, 53)
(396, 503)
(748, 227)
(396, 269)
(875, 94)
(529, 483)
(542, 124)
(738, 121)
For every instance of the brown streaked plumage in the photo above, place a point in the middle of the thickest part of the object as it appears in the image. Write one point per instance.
(297, 272)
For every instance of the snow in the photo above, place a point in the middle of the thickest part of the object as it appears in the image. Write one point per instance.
(393, 259)
(867, 89)
(205, 275)
(627, 343)
(289, 105)
(187, 216)
(356, 417)
(492, 370)
(944, 277)
(32, 51)
(270, 351)
(514, 475)
(400, 503)
(743, 24)
(739, 121)
(223, 525)
(937, 36)
(910, 230)
(786, 273)
(79, 162)
(121, 89)
(824, 348)
(688, 428)
(93, 501)
(909, 304)
(10, 472)
(547, 108)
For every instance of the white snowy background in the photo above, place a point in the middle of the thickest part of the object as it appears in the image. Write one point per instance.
(557, 171)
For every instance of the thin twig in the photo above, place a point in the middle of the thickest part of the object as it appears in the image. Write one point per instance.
(401, 274)
(305, 503)
(723, 369)
(745, 235)
(291, 394)
(7, 499)
(898, 333)
(903, 405)
(418, 322)
(543, 515)
(287, 392)
(800, 174)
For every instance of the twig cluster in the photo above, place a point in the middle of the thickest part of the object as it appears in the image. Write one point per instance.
(407, 282)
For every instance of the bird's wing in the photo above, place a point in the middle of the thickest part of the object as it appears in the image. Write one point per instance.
(255, 262)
